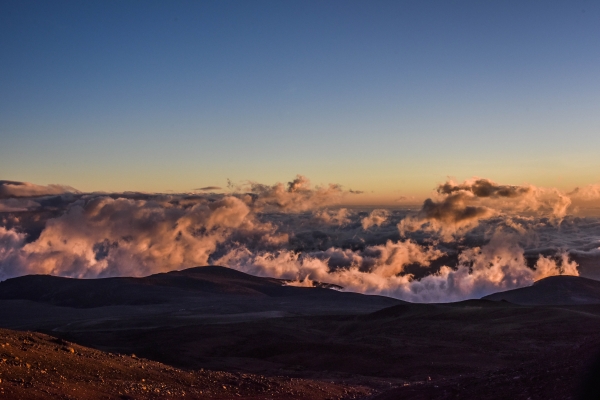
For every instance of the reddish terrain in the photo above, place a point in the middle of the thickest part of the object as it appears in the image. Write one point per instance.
(37, 366)
(276, 341)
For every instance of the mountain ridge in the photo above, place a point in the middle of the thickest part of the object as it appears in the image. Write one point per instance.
(164, 287)
(553, 290)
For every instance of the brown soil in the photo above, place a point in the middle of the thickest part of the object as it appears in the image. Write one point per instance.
(38, 366)
(281, 342)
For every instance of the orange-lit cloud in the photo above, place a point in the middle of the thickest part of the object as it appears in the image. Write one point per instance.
(469, 240)
(460, 207)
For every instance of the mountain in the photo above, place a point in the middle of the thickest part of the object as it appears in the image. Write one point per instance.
(171, 287)
(192, 296)
(261, 331)
(554, 290)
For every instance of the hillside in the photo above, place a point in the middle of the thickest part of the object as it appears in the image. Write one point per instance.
(554, 290)
(37, 366)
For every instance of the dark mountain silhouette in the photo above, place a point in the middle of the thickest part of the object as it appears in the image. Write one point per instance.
(220, 319)
(169, 287)
(554, 290)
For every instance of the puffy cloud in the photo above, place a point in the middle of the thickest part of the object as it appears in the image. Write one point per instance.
(547, 266)
(18, 205)
(10, 241)
(499, 265)
(460, 207)
(586, 199)
(377, 217)
(338, 217)
(589, 192)
(449, 216)
(9, 189)
(512, 198)
(102, 236)
(333, 265)
(298, 195)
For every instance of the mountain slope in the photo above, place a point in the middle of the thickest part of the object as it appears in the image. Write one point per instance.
(554, 290)
(197, 283)
(37, 366)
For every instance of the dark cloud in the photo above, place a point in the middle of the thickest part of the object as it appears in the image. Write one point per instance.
(13, 189)
(452, 215)
(484, 188)
(459, 208)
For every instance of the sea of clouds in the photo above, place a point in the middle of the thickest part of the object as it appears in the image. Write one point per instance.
(468, 240)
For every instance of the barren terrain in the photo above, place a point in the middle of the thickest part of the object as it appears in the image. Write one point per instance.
(37, 366)
(222, 331)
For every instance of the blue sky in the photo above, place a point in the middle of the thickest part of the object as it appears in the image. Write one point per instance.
(385, 97)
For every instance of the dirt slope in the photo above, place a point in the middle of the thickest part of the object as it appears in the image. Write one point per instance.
(37, 366)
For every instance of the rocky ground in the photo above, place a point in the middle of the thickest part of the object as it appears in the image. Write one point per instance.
(551, 379)
(37, 366)
(214, 333)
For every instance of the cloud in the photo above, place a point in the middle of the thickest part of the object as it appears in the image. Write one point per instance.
(376, 218)
(405, 199)
(546, 266)
(586, 193)
(338, 217)
(484, 188)
(461, 207)
(18, 205)
(298, 195)
(384, 260)
(513, 198)
(499, 237)
(208, 188)
(101, 236)
(499, 265)
(12, 189)
(449, 216)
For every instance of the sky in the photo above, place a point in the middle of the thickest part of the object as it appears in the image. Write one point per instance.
(386, 97)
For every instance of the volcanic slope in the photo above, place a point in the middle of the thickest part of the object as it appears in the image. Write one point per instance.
(168, 287)
(553, 290)
(37, 366)
(223, 320)
(474, 349)
(204, 294)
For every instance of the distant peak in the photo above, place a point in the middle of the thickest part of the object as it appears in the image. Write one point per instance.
(212, 270)
(560, 278)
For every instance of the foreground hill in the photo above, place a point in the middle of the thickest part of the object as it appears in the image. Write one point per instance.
(37, 366)
(217, 319)
(554, 290)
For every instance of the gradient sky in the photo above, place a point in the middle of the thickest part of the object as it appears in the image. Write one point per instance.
(386, 97)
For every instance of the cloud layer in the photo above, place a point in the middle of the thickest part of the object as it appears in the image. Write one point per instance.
(469, 240)
(12, 189)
